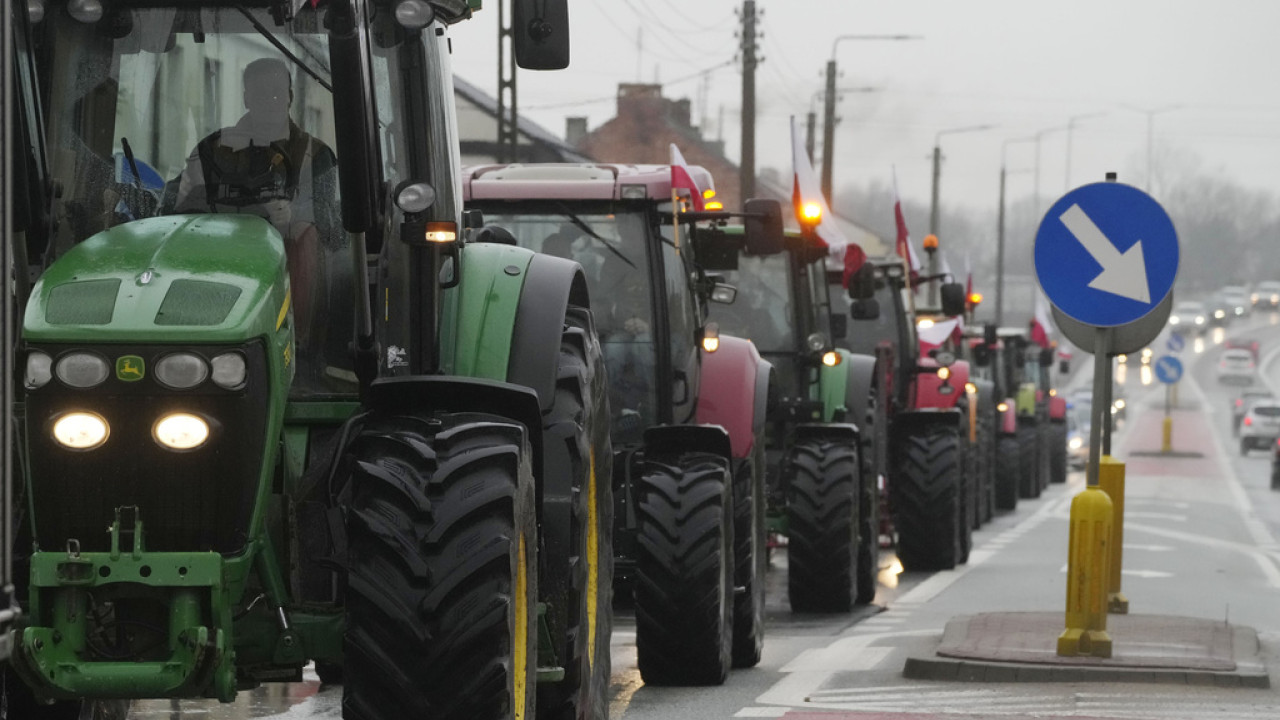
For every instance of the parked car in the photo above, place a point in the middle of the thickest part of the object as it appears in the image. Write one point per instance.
(1238, 297)
(1260, 427)
(1241, 405)
(1236, 367)
(1267, 294)
(1243, 343)
(1189, 317)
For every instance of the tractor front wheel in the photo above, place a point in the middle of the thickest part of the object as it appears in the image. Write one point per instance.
(1028, 462)
(442, 579)
(1008, 472)
(926, 501)
(822, 526)
(1058, 452)
(750, 557)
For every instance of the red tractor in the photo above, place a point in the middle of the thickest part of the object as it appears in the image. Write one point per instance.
(689, 405)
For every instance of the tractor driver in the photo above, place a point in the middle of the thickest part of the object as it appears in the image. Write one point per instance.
(627, 340)
(266, 165)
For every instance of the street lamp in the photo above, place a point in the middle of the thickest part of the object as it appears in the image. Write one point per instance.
(1151, 117)
(829, 109)
(1004, 148)
(1037, 137)
(1071, 123)
(937, 168)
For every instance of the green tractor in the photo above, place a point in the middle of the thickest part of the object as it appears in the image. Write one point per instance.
(8, 603)
(689, 404)
(277, 404)
(820, 438)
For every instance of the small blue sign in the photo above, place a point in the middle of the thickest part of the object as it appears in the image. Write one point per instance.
(1106, 254)
(1168, 369)
(1176, 343)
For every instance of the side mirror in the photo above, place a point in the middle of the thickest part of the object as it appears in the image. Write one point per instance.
(723, 294)
(953, 300)
(540, 30)
(762, 223)
(495, 234)
(839, 327)
(868, 309)
(716, 249)
(981, 355)
(1064, 366)
(990, 334)
(1046, 357)
(862, 285)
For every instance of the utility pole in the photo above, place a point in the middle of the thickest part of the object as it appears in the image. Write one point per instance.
(508, 137)
(1071, 124)
(937, 169)
(810, 127)
(747, 168)
(1000, 226)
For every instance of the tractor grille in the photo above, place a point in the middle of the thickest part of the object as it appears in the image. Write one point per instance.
(197, 500)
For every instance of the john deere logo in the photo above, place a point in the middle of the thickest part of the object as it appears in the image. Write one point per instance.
(130, 368)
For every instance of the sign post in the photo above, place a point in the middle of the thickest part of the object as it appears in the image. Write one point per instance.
(1106, 256)
(1169, 372)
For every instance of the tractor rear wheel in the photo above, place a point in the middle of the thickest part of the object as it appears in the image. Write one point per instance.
(1028, 462)
(576, 432)
(684, 570)
(1058, 452)
(442, 580)
(868, 564)
(822, 526)
(750, 557)
(986, 463)
(1008, 473)
(926, 495)
(17, 702)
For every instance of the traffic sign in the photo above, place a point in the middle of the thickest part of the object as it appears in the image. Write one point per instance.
(1168, 369)
(1124, 339)
(1106, 254)
(1175, 343)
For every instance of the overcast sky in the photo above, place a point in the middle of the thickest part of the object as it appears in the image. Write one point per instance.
(1211, 68)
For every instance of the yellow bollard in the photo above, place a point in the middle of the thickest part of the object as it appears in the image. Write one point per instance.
(1111, 481)
(1088, 576)
(1166, 435)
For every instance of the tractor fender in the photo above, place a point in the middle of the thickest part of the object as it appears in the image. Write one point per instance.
(929, 386)
(677, 439)
(913, 422)
(1009, 418)
(550, 285)
(859, 385)
(835, 432)
(1058, 408)
(734, 392)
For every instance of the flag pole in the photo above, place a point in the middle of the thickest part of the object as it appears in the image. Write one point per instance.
(675, 218)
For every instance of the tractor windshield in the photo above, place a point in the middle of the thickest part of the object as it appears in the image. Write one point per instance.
(763, 310)
(165, 110)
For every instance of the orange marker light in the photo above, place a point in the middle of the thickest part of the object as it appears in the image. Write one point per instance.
(930, 242)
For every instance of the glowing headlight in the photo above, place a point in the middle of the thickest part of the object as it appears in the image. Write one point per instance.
(181, 431)
(81, 430)
(1002, 407)
(924, 323)
(944, 373)
(181, 371)
(970, 388)
(1174, 320)
(39, 370)
(1075, 443)
(82, 369)
(1122, 358)
(1199, 319)
(831, 358)
(228, 370)
(1219, 314)
(1119, 404)
(711, 344)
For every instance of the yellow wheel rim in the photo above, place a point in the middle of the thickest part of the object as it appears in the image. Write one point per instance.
(520, 678)
(593, 561)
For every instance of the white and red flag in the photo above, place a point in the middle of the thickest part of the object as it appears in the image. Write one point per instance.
(903, 244)
(968, 277)
(806, 189)
(1041, 326)
(681, 179)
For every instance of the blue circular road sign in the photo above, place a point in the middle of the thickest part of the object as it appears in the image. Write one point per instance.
(1175, 343)
(1106, 254)
(1168, 369)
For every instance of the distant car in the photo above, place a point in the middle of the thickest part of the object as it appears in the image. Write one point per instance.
(1189, 318)
(1241, 405)
(1236, 367)
(1078, 437)
(1220, 311)
(1260, 427)
(1275, 465)
(1243, 343)
(1266, 294)
(1238, 298)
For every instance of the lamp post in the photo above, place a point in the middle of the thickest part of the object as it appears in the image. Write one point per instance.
(937, 168)
(829, 106)
(1037, 137)
(1004, 148)
(1071, 123)
(1151, 119)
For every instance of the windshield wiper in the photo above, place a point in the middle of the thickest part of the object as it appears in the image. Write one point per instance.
(578, 223)
(264, 32)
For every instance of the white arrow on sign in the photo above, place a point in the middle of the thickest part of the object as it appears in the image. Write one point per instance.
(1123, 274)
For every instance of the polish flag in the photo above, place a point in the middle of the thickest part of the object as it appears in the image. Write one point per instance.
(1041, 327)
(682, 180)
(903, 244)
(805, 188)
(968, 279)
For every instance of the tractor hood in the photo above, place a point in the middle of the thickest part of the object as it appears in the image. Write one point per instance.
(208, 278)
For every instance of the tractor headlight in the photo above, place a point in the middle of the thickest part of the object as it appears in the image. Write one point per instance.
(86, 11)
(181, 371)
(181, 431)
(81, 430)
(831, 358)
(414, 14)
(816, 342)
(39, 370)
(1075, 443)
(970, 388)
(82, 369)
(944, 373)
(229, 370)
(1002, 407)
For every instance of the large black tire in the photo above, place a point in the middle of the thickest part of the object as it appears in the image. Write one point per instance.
(441, 597)
(684, 570)
(987, 461)
(968, 494)
(1008, 472)
(868, 565)
(1043, 454)
(577, 429)
(750, 557)
(18, 703)
(1028, 462)
(1057, 452)
(926, 500)
(822, 526)
(1275, 477)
